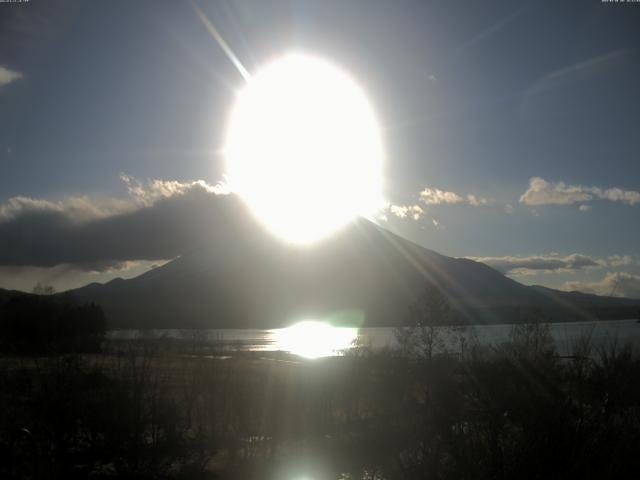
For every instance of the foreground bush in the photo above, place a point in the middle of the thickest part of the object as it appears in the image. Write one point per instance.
(138, 411)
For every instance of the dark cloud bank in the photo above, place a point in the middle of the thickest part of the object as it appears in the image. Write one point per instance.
(151, 225)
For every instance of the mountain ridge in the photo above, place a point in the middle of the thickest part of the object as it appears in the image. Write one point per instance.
(245, 278)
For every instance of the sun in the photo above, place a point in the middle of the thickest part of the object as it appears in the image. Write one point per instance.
(303, 149)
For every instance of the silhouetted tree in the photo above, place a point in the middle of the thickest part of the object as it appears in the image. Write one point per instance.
(421, 335)
(43, 289)
(41, 324)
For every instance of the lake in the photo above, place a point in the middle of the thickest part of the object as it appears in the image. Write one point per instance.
(318, 340)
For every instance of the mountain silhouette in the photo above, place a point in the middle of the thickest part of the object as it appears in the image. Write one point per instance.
(242, 277)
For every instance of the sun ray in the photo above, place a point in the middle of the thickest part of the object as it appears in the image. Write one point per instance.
(221, 42)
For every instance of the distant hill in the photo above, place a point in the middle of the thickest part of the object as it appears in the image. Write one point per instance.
(244, 278)
(5, 295)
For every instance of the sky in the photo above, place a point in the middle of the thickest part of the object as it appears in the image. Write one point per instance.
(510, 128)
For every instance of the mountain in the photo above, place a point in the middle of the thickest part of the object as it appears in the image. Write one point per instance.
(244, 278)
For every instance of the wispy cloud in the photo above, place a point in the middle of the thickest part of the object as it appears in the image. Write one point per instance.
(528, 265)
(620, 260)
(431, 197)
(73, 208)
(553, 263)
(475, 201)
(619, 284)
(435, 196)
(63, 277)
(543, 192)
(7, 76)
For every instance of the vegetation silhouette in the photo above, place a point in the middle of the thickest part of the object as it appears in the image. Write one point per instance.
(432, 407)
(44, 323)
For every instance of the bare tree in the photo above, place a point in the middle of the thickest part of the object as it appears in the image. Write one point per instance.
(43, 289)
(421, 336)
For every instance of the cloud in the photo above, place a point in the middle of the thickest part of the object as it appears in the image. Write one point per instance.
(153, 190)
(620, 260)
(7, 76)
(476, 201)
(618, 195)
(542, 192)
(65, 276)
(619, 284)
(529, 265)
(553, 262)
(414, 212)
(430, 197)
(158, 220)
(78, 209)
(434, 196)
(74, 208)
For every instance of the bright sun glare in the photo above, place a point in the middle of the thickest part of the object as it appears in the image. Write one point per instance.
(313, 339)
(303, 149)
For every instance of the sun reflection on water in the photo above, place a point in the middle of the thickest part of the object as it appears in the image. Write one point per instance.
(314, 339)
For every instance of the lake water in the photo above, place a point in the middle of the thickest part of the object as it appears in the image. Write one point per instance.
(315, 343)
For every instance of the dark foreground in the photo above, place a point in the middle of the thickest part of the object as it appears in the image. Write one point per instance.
(147, 409)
